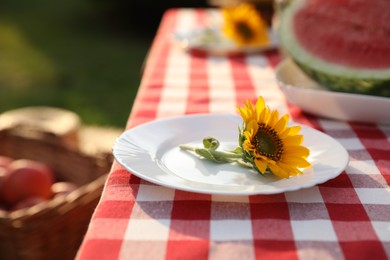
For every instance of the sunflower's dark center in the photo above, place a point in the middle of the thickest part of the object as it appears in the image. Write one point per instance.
(268, 143)
(244, 30)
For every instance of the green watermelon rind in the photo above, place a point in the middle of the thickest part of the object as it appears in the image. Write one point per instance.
(343, 84)
(332, 76)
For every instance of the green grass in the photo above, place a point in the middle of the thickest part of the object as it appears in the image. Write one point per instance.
(71, 54)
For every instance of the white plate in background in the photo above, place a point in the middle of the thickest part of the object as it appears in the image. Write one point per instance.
(213, 42)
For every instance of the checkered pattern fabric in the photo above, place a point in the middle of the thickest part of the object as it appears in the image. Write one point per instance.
(345, 218)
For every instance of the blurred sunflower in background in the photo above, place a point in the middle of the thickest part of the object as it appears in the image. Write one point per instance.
(244, 25)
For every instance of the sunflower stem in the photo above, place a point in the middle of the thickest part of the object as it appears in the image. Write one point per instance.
(213, 155)
(187, 147)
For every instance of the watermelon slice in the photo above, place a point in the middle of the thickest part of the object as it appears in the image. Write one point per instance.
(342, 44)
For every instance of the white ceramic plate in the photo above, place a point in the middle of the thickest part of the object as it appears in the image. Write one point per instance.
(213, 42)
(315, 99)
(151, 152)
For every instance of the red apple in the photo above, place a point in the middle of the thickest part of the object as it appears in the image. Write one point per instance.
(5, 161)
(63, 188)
(25, 179)
(3, 173)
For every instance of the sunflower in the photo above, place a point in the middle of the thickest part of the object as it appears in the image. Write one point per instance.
(244, 25)
(268, 143)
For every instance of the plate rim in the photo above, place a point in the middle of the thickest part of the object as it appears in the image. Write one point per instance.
(219, 192)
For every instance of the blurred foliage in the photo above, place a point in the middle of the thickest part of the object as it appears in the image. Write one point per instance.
(85, 56)
(70, 54)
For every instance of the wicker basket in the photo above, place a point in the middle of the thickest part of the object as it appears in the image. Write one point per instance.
(53, 230)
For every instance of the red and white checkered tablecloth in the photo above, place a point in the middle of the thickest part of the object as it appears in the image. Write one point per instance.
(345, 218)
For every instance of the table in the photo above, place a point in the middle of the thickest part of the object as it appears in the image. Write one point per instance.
(345, 218)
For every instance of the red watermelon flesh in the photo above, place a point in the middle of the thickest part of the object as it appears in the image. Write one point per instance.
(354, 33)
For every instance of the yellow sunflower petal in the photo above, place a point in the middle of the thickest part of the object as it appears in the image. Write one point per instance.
(253, 126)
(292, 171)
(263, 115)
(282, 123)
(261, 165)
(244, 114)
(247, 112)
(293, 140)
(274, 118)
(299, 151)
(260, 104)
(278, 171)
(296, 161)
(293, 130)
